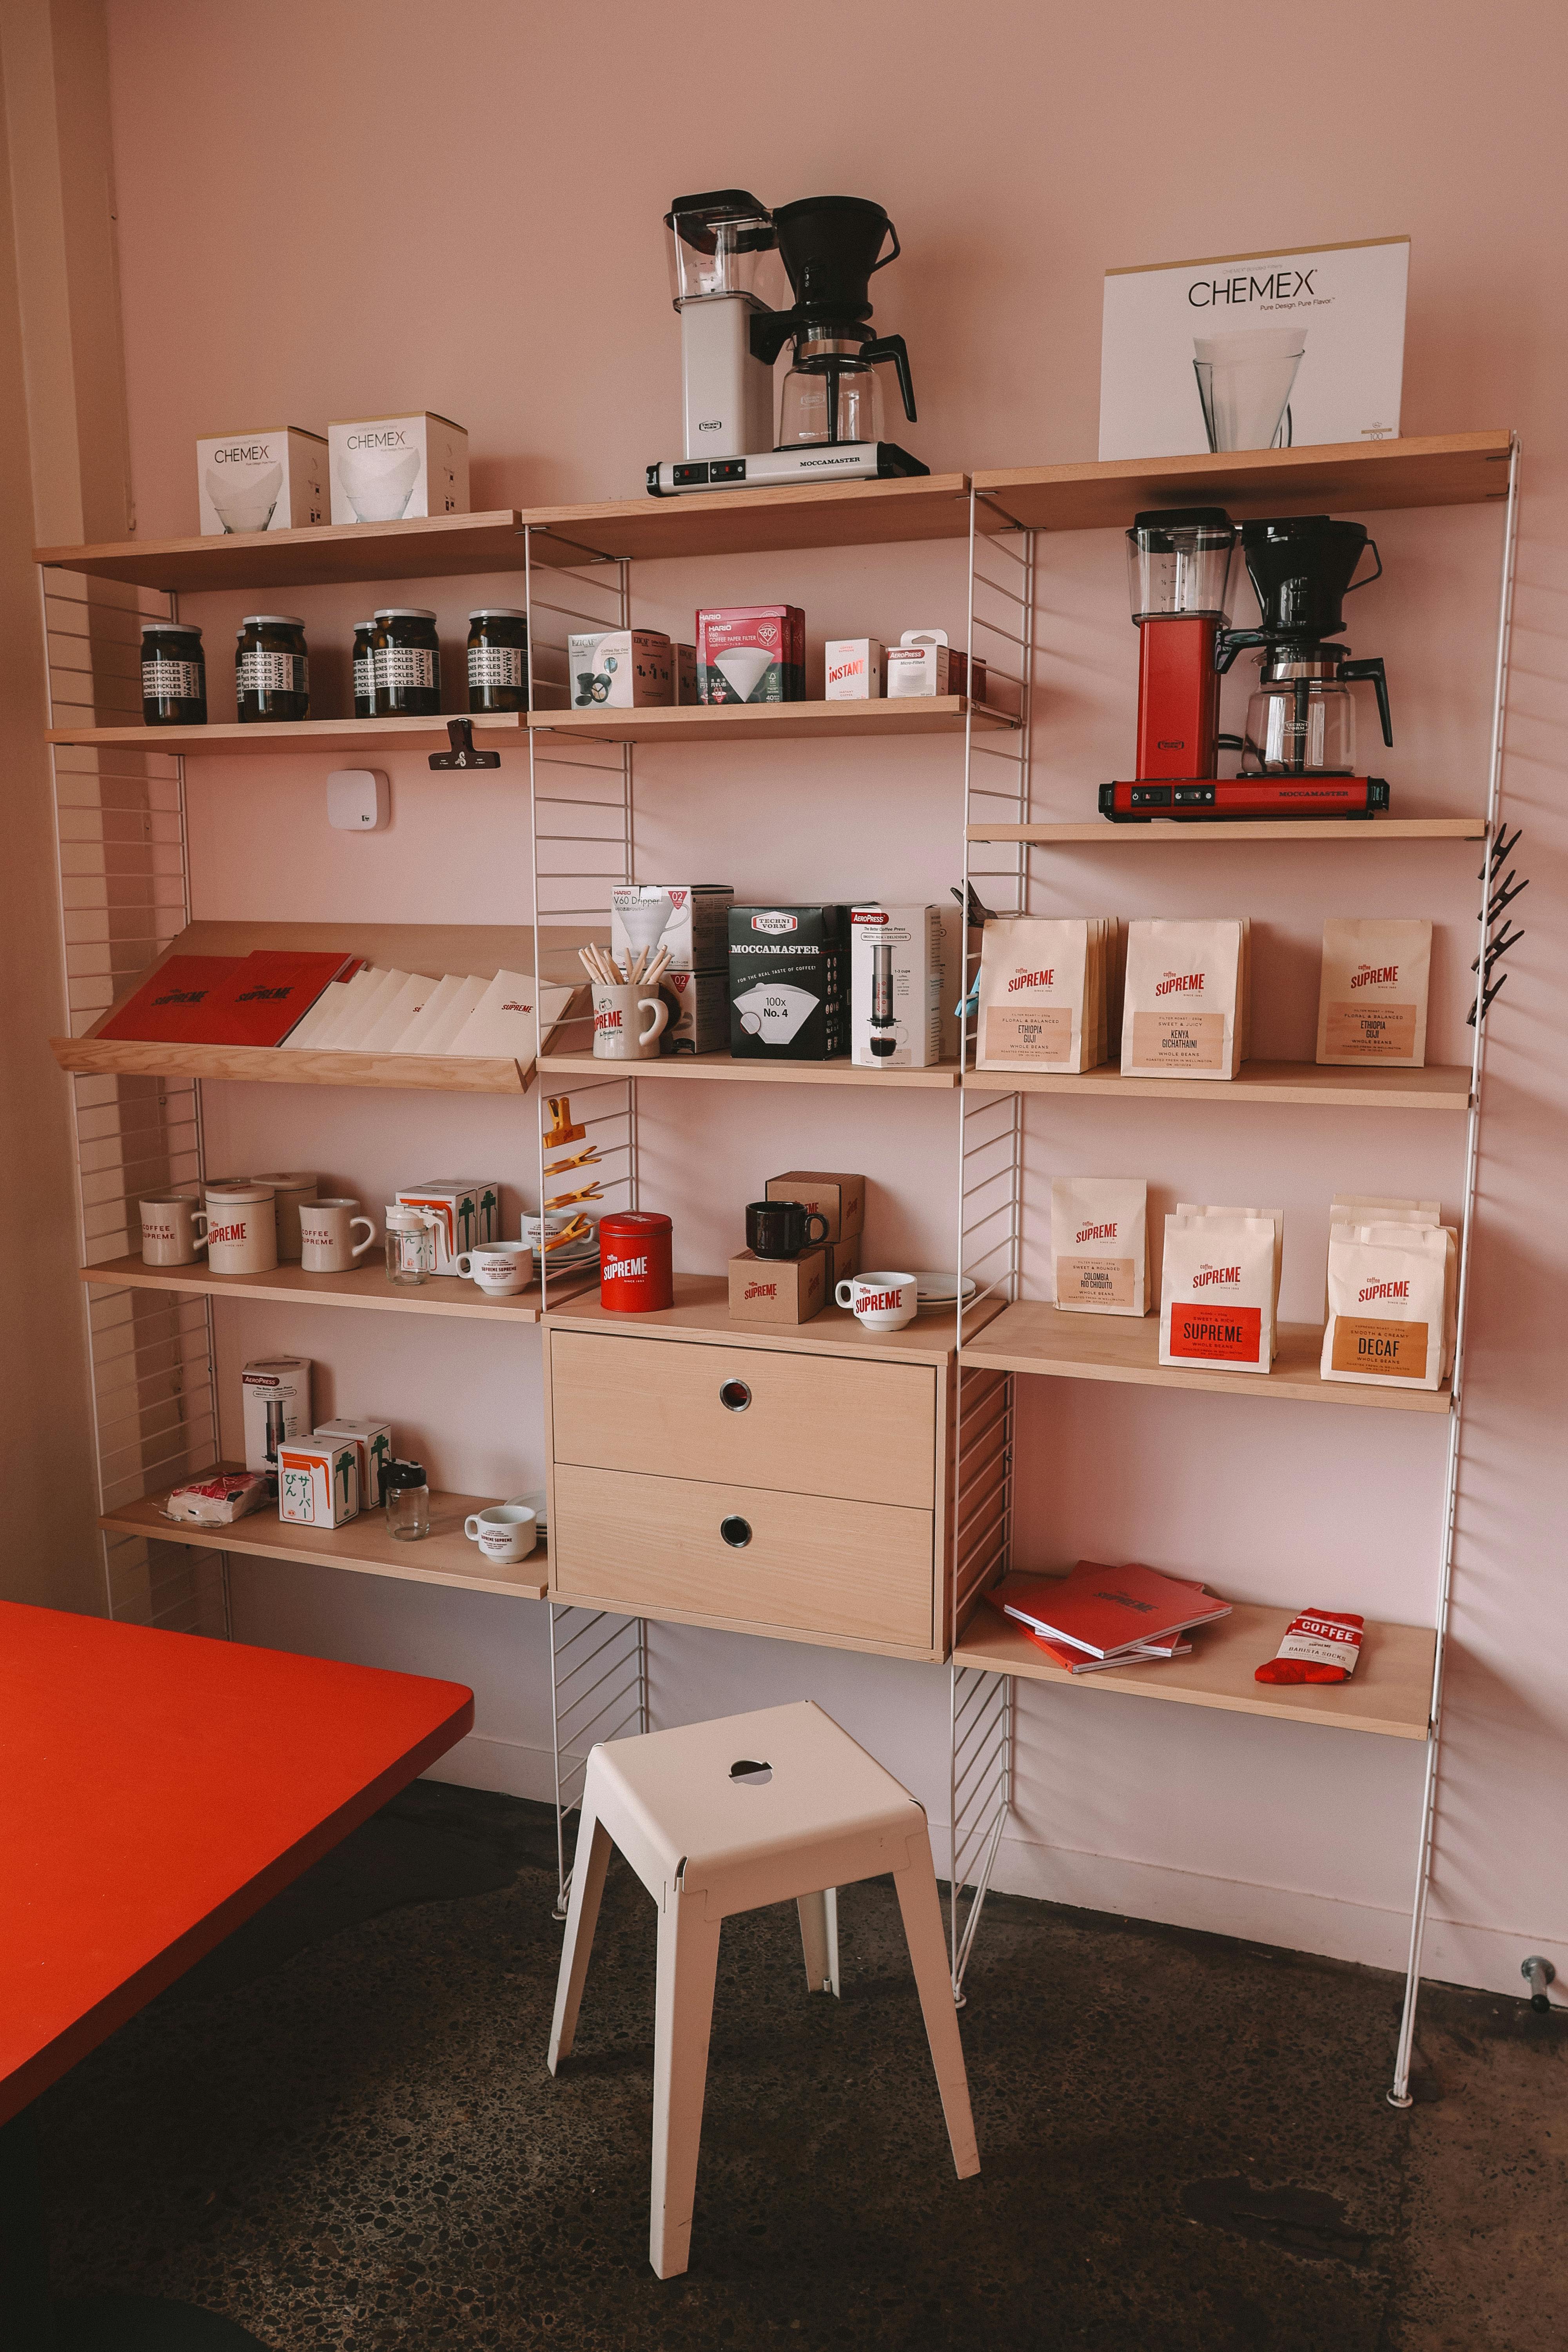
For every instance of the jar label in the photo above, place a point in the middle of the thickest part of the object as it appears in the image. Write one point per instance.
(365, 677)
(264, 673)
(405, 666)
(495, 665)
(164, 680)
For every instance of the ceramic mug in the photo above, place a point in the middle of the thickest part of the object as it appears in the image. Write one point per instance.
(291, 1191)
(880, 1302)
(242, 1229)
(506, 1531)
(327, 1235)
(497, 1267)
(618, 1033)
(169, 1236)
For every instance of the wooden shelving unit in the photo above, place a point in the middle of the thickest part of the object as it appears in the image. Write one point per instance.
(776, 723)
(1257, 835)
(941, 1079)
(1441, 1088)
(325, 555)
(326, 739)
(1390, 1692)
(443, 1557)
(754, 523)
(702, 1306)
(1031, 1338)
(364, 1287)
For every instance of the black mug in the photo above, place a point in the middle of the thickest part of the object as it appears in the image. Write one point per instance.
(782, 1228)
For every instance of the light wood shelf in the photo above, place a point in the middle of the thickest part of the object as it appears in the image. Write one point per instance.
(1260, 831)
(775, 723)
(364, 1285)
(701, 1309)
(1439, 469)
(324, 555)
(1441, 1088)
(1037, 1336)
(841, 1072)
(433, 949)
(443, 1557)
(753, 523)
(326, 738)
(1390, 1692)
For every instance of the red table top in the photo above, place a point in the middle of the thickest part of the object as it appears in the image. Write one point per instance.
(155, 1790)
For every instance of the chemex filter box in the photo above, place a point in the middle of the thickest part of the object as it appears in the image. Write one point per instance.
(467, 1210)
(778, 1290)
(388, 469)
(275, 480)
(371, 1441)
(318, 1483)
(789, 983)
(752, 653)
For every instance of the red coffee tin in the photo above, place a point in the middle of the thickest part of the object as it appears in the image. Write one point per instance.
(635, 1273)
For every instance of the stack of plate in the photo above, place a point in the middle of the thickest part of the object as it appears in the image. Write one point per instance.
(574, 1258)
(940, 1292)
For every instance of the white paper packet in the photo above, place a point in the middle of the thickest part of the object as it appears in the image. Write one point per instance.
(1372, 997)
(1390, 1293)
(1217, 1294)
(1183, 1010)
(1035, 989)
(1099, 1244)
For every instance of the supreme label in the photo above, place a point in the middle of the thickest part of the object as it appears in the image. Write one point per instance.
(1397, 1350)
(1220, 1334)
(1038, 1032)
(1372, 1031)
(1182, 1039)
(619, 1269)
(1096, 1281)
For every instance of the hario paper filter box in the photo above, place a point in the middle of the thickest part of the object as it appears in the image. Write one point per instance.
(690, 918)
(698, 1006)
(387, 468)
(275, 480)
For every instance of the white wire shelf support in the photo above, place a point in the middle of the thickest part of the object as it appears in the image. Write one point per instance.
(598, 1691)
(124, 896)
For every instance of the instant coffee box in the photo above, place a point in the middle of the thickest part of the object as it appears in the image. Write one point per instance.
(1371, 1000)
(789, 983)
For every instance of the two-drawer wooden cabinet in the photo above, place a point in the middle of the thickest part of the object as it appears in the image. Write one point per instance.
(796, 1482)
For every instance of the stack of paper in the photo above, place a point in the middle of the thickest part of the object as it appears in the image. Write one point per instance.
(381, 1012)
(1098, 1616)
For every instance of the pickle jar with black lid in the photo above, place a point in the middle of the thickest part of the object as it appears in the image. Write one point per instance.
(406, 654)
(173, 675)
(497, 658)
(271, 668)
(365, 670)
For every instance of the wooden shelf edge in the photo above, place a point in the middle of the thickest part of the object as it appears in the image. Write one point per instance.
(778, 721)
(1104, 835)
(275, 1065)
(1442, 1087)
(733, 1068)
(761, 1629)
(420, 546)
(226, 738)
(367, 1289)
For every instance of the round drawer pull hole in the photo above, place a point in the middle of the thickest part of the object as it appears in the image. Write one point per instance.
(734, 1396)
(736, 1532)
(751, 1774)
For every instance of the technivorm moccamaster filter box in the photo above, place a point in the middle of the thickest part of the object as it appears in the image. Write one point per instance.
(789, 983)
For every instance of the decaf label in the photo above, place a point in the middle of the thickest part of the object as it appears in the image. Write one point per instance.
(1180, 1039)
(1228, 1334)
(1035, 1032)
(1095, 1281)
(1372, 1031)
(1394, 1351)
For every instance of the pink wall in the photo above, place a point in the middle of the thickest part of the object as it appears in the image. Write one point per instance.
(461, 210)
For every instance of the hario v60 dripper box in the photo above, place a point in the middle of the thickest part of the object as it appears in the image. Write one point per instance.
(789, 983)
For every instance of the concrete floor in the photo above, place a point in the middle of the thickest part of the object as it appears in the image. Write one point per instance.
(338, 2131)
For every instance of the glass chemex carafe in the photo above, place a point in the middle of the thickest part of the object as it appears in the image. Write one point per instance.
(1300, 717)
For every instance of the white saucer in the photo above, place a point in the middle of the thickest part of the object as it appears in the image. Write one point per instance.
(934, 1290)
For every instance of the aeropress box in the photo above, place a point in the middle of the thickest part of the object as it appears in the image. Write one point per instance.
(789, 995)
(897, 968)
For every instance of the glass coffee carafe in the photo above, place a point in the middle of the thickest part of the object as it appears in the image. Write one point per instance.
(1300, 717)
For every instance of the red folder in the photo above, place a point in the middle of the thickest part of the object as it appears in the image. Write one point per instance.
(268, 993)
(1100, 1609)
(174, 1007)
(1141, 1653)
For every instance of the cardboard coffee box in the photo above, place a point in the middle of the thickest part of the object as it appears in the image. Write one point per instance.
(373, 1443)
(318, 1483)
(840, 1199)
(689, 918)
(789, 983)
(778, 1290)
(852, 670)
(275, 480)
(620, 670)
(698, 1006)
(843, 1260)
(467, 1210)
(267, 1380)
(686, 674)
(387, 468)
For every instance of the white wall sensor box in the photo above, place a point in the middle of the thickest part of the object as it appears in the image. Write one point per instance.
(387, 468)
(275, 480)
(359, 800)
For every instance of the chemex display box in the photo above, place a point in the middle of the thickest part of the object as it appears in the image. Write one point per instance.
(690, 919)
(838, 1200)
(318, 1483)
(698, 1006)
(467, 1210)
(620, 670)
(789, 983)
(388, 469)
(752, 653)
(778, 1290)
(274, 1379)
(371, 1441)
(275, 480)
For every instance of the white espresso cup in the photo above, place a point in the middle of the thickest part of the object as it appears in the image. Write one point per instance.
(506, 1531)
(620, 1032)
(497, 1267)
(326, 1243)
(169, 1236)
(880, 1302)
(242, 1229)
(291, 1190)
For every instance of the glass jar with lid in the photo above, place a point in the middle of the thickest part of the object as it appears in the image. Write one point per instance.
(406, 1491)
(173, 675)
(497, 658)
(365, 670)
(405, 653)
(410, 1244)
(271, 667)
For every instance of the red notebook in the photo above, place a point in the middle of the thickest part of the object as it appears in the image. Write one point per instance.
(268, 994)
(1137, 1654)
(1102, 1610)
(174, 1007)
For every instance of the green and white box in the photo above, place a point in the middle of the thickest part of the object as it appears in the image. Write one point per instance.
(372, 1443)
(467, 1210)
(318, 1483)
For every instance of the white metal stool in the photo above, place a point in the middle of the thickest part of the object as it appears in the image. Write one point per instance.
(728, 1816)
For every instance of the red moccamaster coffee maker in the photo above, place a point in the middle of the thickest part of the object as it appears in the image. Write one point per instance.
(1179, 564)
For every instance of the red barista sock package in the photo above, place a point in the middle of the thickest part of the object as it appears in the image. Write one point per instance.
(1319, 1646)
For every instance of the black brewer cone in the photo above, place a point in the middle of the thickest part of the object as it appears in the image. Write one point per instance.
(1300, 567)
(829, 246)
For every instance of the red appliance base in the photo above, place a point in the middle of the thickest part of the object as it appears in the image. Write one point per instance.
(1260, 797)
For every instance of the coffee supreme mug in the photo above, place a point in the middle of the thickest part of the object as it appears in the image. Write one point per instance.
(506, 1531)
(497, 1267)
(169, 1236)
(242, 1229)
(291, 1189)
(326, 1243)
(620, 1032)
(782, 1228)
(880, 1302)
